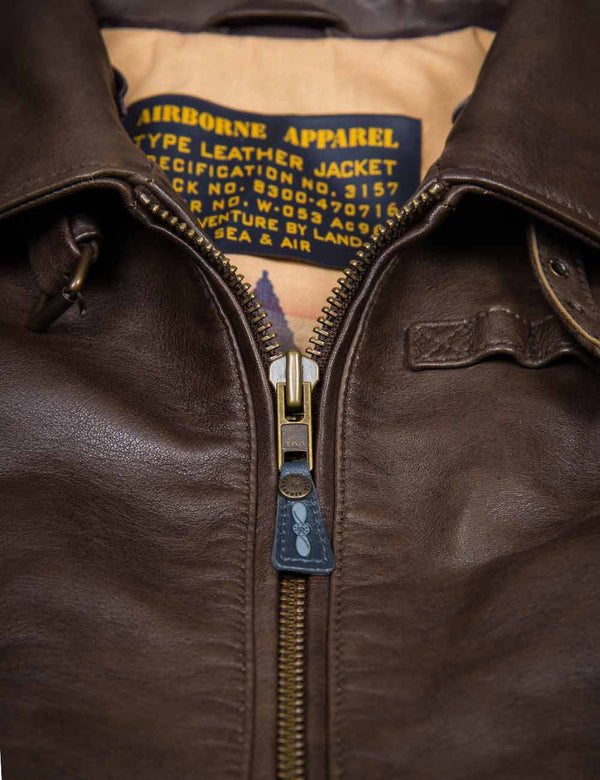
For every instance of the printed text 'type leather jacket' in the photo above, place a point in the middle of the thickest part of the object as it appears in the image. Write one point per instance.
(225, 556)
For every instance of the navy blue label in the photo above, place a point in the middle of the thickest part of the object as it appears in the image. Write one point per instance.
(306, 187)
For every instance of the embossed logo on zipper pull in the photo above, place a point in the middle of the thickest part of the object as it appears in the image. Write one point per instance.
(301, 528)
(301, 543)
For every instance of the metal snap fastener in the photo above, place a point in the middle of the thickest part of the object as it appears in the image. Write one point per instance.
(559, 267)
(294, 486)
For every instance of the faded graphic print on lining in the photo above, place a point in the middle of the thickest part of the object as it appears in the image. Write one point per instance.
(265, 292)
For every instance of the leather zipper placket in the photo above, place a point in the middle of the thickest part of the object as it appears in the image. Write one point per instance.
(301, 547)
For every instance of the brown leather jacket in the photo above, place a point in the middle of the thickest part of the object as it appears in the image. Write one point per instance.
(144, 632)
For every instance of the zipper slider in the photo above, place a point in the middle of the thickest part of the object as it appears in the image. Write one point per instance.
(301, 543)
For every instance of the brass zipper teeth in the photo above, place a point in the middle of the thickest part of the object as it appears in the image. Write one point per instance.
(291, 738)
(348, 285)
(252, 307)
(291, 692)
(291, 709)
(341, 296)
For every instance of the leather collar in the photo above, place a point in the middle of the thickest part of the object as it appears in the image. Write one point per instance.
(530, 131)
(357, 18)
(59, 123)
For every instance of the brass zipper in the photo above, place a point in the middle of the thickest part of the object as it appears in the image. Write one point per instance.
(337, 303)
(353, 274)
(253, 309)
(301, 547)
(295, 482)
(291, 727)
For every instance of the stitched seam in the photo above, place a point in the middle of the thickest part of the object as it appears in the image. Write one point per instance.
(467, 325)
(583, 321)
(583, 336)
(532, 353)
(478, 316)
(561, 296)
(283, 533)
(337, 716)
(244, 595)
(533, 345)
(339, 665)
(527, 190)
(339, 719)
(454, 329)
(584, 285)
(13, 193)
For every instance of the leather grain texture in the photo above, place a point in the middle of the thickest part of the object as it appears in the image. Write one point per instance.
(560, 266)
(458, 634)
(61, 124)
(128, 482)
(530, 129)
(464, 617)
(358, 18)
(492, 332)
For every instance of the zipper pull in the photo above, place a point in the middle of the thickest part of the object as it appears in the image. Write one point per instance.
(301, 543)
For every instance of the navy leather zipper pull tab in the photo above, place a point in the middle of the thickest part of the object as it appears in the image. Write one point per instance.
(301, 543)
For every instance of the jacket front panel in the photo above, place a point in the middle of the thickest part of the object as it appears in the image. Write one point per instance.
(456, 434)
(129, 482)
(462, 616)
(462, 620)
